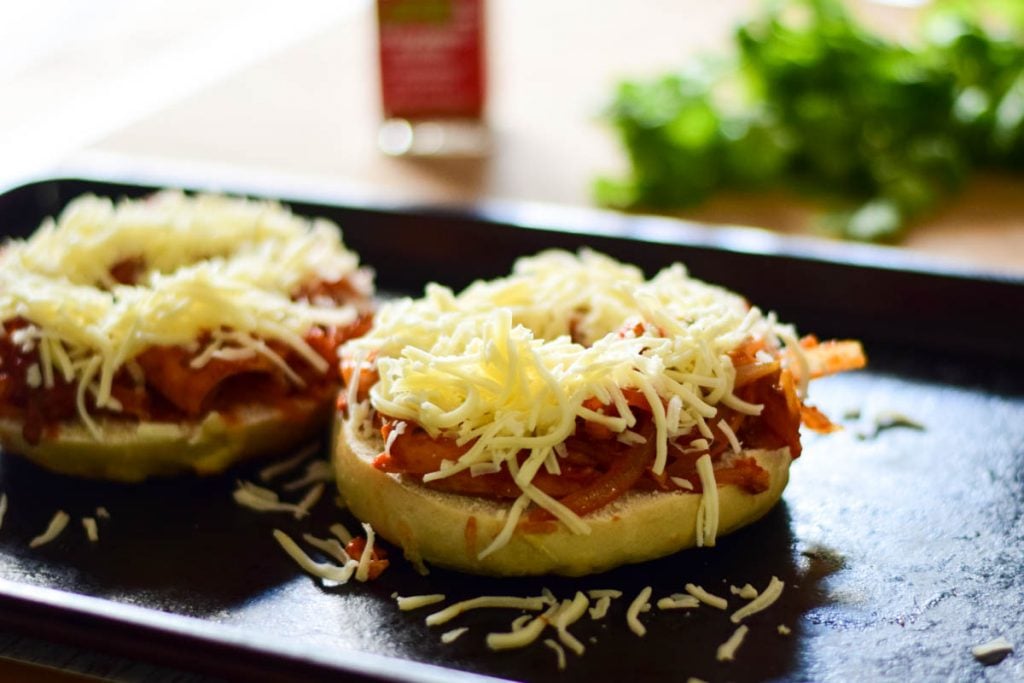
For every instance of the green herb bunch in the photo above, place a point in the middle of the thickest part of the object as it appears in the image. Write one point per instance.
(880, 130)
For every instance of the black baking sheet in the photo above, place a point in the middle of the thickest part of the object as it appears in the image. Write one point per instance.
(900, 547)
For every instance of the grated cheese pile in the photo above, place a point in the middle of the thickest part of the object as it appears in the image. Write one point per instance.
(508, 364)
(209, 264)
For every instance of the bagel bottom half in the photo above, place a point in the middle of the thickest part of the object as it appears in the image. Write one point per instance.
(131, 451)
(449, 530)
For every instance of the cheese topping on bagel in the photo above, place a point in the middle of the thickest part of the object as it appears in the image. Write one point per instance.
(104, 282)
(508, 367)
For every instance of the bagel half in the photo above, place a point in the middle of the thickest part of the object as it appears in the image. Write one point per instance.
(132, 451)
(450, 530)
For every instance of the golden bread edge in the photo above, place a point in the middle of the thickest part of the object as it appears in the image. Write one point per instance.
(431, 526)
(131, 451)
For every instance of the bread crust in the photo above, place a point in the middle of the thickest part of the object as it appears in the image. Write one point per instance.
(130, 451)
(450, 530)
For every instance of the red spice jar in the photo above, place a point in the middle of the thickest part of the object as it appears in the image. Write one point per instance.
(432, 77)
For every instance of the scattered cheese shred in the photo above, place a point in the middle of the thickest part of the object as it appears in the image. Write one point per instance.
(102, 513)
(53, 530)
(311, 498)
(707, 598)
(635, 607)
(486, 601)
(363, 568)
(3, 507)
(91, 530)
(523, 636)
(329, 546)
(569, 614)
(559, 652)
(727, 650)
(678, 601)
(276, 469)
(411, 602)
(600, 608)
(993, 651)
(316, 472)
(261, 499)
(763, 601)
(339, 530)
(451, 636)
(321, 570)
(784, 630)
(748, 592)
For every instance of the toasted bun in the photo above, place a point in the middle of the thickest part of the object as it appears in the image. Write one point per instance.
(131, 451)
(438, 527)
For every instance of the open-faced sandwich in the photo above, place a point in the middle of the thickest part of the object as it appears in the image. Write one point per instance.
(572, 417)
(172, 334)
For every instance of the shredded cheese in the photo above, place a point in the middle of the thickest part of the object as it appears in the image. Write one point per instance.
(993, 650)
(280, 467)
(91, 530)
(600, 608)
(678, 601)
(451, 636)
(316, 472)
(523, 636)
(715, 601)
(559, 652)
(102, 513)
(784, 630)
(206, 264)
(507, 365)
(707, 511)
(727, 650)
(411, 602)
(568, 614)
(329, 546)
(339, 530)
(748, 592)
(53, 530)
(363, 567)
(486, 601)
(262, 499)
(311, 498)
(633, 613)
(763, 601)
(321, 570)
(3, 508)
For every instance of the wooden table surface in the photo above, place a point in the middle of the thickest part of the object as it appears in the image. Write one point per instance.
(293, 90)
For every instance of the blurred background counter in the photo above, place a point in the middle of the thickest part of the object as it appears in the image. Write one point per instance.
(293, 88)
